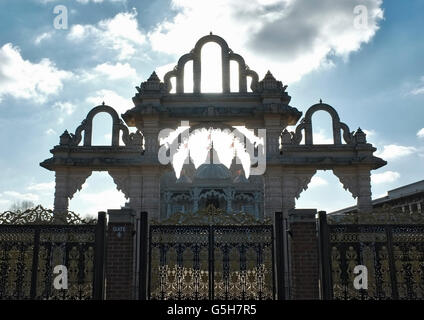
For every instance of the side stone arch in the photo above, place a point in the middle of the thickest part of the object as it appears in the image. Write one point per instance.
(89, 124)
(129, 139)
(306, 125)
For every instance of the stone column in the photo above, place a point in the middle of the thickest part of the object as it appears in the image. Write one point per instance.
(68, 182)
(150, 132)
(168, 204)
(364, 190)
(273, 191)
(272, 141)
(229, 194)
(195, 195)
(135, 189)
(257, 200)
(225, 71)
(357, 180)
(294, 181)
(151, 192)
(61, 200)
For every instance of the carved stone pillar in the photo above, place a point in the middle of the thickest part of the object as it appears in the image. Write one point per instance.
(195, 196)
(272, 141)
(357, 181)
(257, 199)
(129, 182)
(168, 204)
(294, 181)
(364, 191)
(61, 200)
(135, 189)
(273, 191)
(150, 132)
(68, 181)
(229, 194)
(151, 192)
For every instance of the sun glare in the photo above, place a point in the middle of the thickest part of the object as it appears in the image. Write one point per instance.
(211, 65)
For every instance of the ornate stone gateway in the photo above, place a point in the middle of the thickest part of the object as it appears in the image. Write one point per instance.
(164, 193)
(211, 261)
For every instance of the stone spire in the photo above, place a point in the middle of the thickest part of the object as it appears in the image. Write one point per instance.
(153, 85)
(271, 88)
(360, 136)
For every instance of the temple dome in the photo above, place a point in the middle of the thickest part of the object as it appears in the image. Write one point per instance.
(213, 171)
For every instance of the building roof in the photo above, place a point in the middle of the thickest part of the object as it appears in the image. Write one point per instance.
(400, 192)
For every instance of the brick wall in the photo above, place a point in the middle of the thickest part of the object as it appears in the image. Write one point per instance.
(304, 255)
(119, 261)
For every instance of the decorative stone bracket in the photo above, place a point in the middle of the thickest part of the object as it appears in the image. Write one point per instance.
(357, 180)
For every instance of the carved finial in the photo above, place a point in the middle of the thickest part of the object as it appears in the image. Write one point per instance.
(210, 33)
(153, 77)
(269, 76)
(65, 138)
(103, 103)
(320, 101)
(360, 136)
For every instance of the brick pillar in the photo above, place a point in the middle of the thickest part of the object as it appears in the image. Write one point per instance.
(304, 256)
(119, 255)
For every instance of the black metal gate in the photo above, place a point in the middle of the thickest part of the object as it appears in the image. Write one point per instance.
(211, 262)
(392, 253)
(30, 252)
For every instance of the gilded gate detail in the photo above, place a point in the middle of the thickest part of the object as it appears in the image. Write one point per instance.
(391, 249)
(31, 247)
(198, 262)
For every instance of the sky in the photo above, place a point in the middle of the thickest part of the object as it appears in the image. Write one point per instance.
(363, 57)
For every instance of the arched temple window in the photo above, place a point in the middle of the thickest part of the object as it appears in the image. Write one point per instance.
(102, 130)
(234, 76)
(249, 83)
(188, 77)
(173, 84)
(322, 128)
(211, 66)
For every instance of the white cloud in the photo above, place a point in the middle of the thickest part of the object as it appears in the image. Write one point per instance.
(393, 151)
(50, 132)
(120, 33)
(20, 196)
(43, 36)
(98, 1)
(110, 72)
(369, 133)
(321, 137)
(84, 1)
(89, 203)
(66, 107)
(384, 177)
(110, 98)
(420, 133)
(317, 182)
(290, 37)
(23, 79)
(417, 91)
(43, 186)
(419, 88)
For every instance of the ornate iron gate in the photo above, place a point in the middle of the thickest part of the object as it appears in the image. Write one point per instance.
(29, 253)
(211, 262)
(393, 254)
